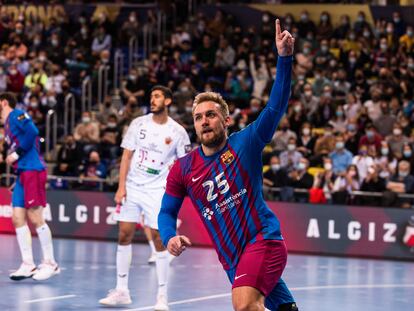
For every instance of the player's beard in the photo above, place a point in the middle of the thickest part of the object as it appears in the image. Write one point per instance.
(158, 110)
(214, 141)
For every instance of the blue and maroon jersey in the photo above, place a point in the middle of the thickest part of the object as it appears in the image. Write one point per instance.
(22, 138)
(226, 188)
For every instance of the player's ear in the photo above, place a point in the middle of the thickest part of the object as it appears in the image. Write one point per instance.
(227, 121)
(168, 101)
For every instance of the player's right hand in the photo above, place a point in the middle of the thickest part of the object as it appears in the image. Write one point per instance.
(120, 195)
(178, 244)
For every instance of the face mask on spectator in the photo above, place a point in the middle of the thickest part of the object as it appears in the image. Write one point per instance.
(352, 60)
(132, 19)
(352, 37)
(1, 136)
(301, 166)
(339, 113)
(34, 104)
(84, 31)
(366, 34)
(132, 77)
(13, 72)
(324, 48)
(339, 145)
(407, 153)
(385, 151)
(42, 58)
(390, 30)
(397, 132)
(105, 60)
(383, 47)
(363, 152)
(361, 18)
(111, 125)
(275, 167)
(304, 17)
(242, 125)
(297, 108)
(351, 127)
(306, 131)
(86, 119)
(189, 109)
(327, 166)
(36, 42)
(371, 170)
(55, 42)
(410, 33)
(324, 18)
(265, 18)
(370, 134)
(291, 147)
(306, 51)
(403, 173)
(308, 93)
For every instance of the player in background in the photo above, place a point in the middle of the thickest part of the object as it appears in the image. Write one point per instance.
(29, 193)
(151, 145)
(223, 178)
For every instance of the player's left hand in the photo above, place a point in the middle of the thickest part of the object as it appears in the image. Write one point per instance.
(10, 159)
(284, 41)
(178, 244)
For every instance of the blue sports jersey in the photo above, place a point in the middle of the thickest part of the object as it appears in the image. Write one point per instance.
(22, 138)
(226, 188)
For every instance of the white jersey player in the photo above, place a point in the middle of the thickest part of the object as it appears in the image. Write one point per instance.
(151, 145)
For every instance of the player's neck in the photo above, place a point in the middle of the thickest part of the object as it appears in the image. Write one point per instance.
(209, 151)
(160, 118)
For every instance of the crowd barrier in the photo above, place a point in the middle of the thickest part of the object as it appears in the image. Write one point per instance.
(319, 229)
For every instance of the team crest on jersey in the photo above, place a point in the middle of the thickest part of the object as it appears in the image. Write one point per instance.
(227, 157)
(168, 140)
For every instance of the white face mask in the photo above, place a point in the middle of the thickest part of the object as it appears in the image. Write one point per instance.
(291, 147)
(306, 131)
(327, 166)
(86, 119)
(275, 167)
(397, 132)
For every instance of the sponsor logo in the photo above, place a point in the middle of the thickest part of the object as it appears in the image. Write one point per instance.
(168, 140)
(227, 157)
(30, 201)
(239, 276)
(208, 213)
(195, 179)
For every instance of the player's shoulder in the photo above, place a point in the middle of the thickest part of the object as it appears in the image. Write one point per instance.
(19, 115)
(174, 124)
(138, 121)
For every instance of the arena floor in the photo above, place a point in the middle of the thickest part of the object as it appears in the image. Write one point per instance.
(197, 281)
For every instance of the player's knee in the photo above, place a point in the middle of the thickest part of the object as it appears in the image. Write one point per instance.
(246, 305)
(18, 221)
(125, 237)
(291, 306)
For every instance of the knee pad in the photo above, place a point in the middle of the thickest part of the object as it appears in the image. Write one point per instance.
(291, 306)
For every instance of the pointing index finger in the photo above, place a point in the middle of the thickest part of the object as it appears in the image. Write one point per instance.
(278, 31)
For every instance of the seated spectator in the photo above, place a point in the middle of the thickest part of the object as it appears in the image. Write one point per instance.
(299, 178)
(306, 141)
(371, 137)
(338, 122)
(94, 168)
(290, 158)
(87, 132)
(397, 140)
(341, 157)
(386, 122)
(325, 181)
(102, 41)
(282, 135)
(407, 155)
(372, 183)
(70, 153)
(110, 140)
(385, 161)
(401, 182)
(60, 170)
(363, 161)
(15, 80)
(135, 85)
(344, 184)
(275, 177)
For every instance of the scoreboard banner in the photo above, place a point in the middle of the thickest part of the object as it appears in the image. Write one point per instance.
(320, 229)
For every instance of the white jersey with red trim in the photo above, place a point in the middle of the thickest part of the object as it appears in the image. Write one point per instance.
(156, 147)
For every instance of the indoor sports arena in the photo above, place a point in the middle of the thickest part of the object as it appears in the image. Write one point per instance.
(207, 155)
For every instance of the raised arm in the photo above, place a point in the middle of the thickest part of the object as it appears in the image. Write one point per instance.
(268, 120)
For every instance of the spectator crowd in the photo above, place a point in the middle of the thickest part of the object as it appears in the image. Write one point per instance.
(348, 127)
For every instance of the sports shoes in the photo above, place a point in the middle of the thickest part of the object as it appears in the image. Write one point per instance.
(162, 303)
(152, 258)
(46, 270)
(116, 297)
(25, 271)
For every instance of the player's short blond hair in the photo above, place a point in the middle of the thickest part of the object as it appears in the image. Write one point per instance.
(213, 97)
